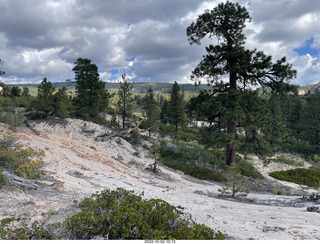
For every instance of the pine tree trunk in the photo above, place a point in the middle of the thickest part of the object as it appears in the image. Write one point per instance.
(231, 123)
(123, 121)
(231, 151)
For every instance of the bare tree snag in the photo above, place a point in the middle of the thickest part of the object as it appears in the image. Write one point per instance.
(123, 133)
(26, 122)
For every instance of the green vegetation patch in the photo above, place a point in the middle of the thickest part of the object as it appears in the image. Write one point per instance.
(123, 215)
(247, 169)
(309, 177)
(24, 162)
(202, 173)
(20, 229)
(3, 180)
(192, 160)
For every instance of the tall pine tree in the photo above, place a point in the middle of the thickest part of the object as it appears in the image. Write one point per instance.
(176, 107)
(164, 114)
(43, 103)
(125, 103)
(61, 103)
(92, 97)
(152, 110)
(230, 57)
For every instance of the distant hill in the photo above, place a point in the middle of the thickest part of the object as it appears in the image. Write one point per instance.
(309, 88)
(139, 87)
(142, 87)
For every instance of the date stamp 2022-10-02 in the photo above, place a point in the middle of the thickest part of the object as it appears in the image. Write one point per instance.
(159, 241)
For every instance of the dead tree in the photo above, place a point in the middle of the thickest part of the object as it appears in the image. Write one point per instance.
(26, 122)
(122, 133)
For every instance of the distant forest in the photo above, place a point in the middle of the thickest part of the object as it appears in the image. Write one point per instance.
(139, 87)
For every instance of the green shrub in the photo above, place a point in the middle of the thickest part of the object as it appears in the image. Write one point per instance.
(145, 146)
(121, 214)
(193, 160)
(235, 182)
(200, 172)
(3, 180)
(137, 154)
(134, 138)
(309, 177)
(145, 137)
(302, 148)
(23, 162)
(187, 135)
(12, 118)
(188, 153)
(20, 229)
(288, 160)
(247, 169)
(314, 160)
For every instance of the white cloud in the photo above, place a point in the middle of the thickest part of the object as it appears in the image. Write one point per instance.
(44, 38)
(105, 76)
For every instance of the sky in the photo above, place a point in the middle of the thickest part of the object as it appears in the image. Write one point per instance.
(146, 39)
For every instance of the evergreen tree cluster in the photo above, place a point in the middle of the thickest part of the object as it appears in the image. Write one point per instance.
(89, 103)
(232, 115)
(173, 111)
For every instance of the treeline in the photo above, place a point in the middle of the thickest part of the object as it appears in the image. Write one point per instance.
(92, 101)
(267, 122)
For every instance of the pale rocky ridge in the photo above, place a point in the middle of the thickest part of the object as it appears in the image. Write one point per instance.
(78, 165)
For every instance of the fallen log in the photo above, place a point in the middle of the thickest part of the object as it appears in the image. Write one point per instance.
(122, 133)
(107, 136)
(19, 180)
(26, 122)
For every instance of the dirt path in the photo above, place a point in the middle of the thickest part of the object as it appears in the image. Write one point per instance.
(80, 166)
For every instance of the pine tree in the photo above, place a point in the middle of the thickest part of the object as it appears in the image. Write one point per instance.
(206, 107)
(164, 114)
(125, 103)
(15, 91)
(61, 103)
(44, 100)
(152, 110)
(92, 97)
(176, 108)
(230, 57)
(25, 92)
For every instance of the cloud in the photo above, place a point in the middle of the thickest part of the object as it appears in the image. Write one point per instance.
(43, 38)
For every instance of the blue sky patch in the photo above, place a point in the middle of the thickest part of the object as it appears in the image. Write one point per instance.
(308, 49)
(130, 59)
(114, 73)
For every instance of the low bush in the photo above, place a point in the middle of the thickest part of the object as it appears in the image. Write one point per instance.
(122, 215)
(134, 138)
(284, 159)
(24, 162)
(3, 180)
(302, 148)
(188, 153)
(192, 160)
(21, 229)
(247, 169)
(202, 173)
(309, 177)
(187, 135)
(314, 159)
(235, 182)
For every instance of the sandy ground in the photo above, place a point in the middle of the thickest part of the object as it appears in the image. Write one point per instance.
(80, 166)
